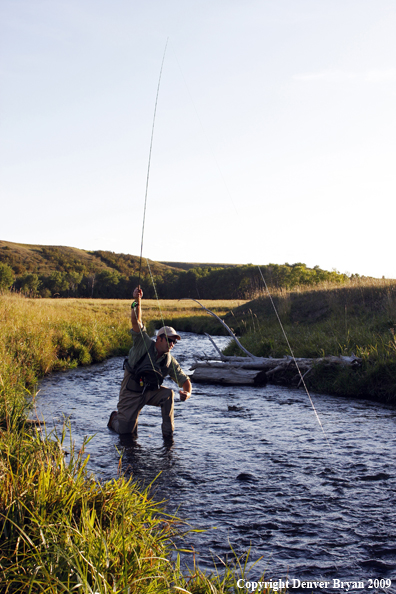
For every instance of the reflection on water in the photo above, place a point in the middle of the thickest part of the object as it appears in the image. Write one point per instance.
(252, 467)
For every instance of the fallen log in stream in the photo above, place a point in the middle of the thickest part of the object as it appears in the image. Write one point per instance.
(260, 370)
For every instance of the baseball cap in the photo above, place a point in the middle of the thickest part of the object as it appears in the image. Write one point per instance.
(169, 332)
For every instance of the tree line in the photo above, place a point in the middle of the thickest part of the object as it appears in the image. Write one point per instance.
(237, 282)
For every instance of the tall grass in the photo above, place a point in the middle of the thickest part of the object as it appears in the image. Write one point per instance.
(61, 530)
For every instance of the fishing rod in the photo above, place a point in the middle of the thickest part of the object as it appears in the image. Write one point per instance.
(149, 160)
(145, 202)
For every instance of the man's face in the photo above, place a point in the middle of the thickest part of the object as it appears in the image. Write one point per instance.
(164, 344)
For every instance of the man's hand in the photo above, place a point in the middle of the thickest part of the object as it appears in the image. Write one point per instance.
(138, 293)
(185, 393)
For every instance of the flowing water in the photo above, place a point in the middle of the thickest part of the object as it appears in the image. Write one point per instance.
(252, 467)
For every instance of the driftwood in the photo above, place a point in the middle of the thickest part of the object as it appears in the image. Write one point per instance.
(222, 322)
(260, 370)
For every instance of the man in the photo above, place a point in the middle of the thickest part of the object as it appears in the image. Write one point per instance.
(148, 362)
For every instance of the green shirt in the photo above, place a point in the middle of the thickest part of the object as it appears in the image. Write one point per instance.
(143, 344)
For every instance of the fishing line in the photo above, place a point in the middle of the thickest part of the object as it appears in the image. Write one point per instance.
(295, 361)
(149, 160)
(262, 276)
(299, 371)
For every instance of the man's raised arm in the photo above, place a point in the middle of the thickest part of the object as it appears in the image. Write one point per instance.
(136, 312)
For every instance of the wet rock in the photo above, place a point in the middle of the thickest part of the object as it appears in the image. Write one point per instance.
(246, 476)
(381, 476)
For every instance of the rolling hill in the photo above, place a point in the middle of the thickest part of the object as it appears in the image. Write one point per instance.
(48, 271)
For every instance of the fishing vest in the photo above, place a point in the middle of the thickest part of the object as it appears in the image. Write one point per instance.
(148, 373)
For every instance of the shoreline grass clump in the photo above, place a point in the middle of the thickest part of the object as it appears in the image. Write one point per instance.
(59, 527)
(62, 530)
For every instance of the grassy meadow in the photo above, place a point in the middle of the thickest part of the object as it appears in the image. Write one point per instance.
(61, 530)
(43, 335)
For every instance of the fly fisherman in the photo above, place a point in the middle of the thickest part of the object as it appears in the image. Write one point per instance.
(148, 363)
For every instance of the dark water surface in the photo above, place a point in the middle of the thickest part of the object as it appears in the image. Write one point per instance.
(253, 468)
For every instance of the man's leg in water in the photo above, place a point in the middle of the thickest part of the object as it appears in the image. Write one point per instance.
(130, 403)
(163, 398)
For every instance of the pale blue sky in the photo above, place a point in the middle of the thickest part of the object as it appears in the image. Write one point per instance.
(275, 137)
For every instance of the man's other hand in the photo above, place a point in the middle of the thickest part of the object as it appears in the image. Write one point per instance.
(184, 395)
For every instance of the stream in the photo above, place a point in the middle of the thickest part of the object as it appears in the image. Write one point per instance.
(253, 468)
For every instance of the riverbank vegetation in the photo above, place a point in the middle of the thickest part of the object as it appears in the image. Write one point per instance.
(61, 530)
(330, 320)
(57, 271)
